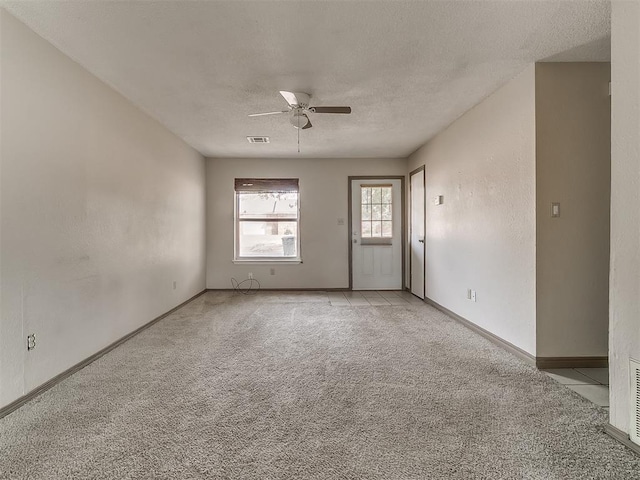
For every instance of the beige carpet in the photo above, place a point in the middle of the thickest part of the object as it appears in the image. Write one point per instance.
(285, 386)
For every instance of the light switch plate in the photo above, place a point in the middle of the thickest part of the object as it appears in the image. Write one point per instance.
(555, 209)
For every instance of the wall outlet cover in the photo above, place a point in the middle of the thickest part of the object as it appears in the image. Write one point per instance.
(31, 341)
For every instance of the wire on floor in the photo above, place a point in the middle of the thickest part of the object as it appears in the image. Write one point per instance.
(250, 286)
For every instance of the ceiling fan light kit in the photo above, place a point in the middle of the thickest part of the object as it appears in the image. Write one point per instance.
(300, 120)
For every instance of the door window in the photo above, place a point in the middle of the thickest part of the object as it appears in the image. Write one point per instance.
(376, 214)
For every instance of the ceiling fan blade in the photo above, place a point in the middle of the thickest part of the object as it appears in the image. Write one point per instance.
(330, 109)
(308, 125)
(268, 113)
(290, 97)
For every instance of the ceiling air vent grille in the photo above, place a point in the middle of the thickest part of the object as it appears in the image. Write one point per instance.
(258, 139)
(634, 371)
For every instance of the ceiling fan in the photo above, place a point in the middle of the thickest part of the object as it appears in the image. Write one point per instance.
(299, 109)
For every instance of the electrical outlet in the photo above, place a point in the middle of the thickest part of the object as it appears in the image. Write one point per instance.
(175, 284)
(272, 271)
(473, 295)
(31, 341)
(251, 275)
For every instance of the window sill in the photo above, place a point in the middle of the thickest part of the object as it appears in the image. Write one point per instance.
(263, 261)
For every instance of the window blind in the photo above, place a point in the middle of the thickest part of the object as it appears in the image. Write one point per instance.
(266, 184)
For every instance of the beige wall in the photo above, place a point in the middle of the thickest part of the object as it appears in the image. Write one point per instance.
(323, 200)
(573, 151)
(102, 210)
(624, 296)
(483, 236)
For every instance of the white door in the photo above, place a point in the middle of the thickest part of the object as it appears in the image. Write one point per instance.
(376, 234)
(416, 238)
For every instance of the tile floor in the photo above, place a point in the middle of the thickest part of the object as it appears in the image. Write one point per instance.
(591, 383)
(372, 298)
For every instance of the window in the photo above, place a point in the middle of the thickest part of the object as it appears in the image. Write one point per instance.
(267, 219)
(376, 218)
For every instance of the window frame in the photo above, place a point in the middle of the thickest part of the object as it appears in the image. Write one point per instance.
(377, 240)
(265, 185)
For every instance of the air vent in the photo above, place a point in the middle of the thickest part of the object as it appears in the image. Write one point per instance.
(258, 139)
(634, 371)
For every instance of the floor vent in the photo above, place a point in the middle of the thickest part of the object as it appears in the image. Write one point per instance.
(634, 371)
(258, 139)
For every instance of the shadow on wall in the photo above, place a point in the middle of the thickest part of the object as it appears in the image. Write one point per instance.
(585, 52)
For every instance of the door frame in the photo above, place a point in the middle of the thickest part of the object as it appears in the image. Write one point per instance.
(403, 235)
(424, 257)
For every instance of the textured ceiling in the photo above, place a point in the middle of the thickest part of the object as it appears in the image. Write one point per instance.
(407, 68)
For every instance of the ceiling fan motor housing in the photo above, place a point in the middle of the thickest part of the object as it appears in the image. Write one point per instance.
(300, 99)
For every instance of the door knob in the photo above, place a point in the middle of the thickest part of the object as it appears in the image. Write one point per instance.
(355, 240)
(421, 241)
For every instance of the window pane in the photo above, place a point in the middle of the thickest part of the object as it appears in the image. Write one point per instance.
(267, 239)
(375, 195)
(386, 212)
(387, 229)
(366, 229)
(366, 195)
(268, 205)
(366, 212)
(386, 195)
(376, 212)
